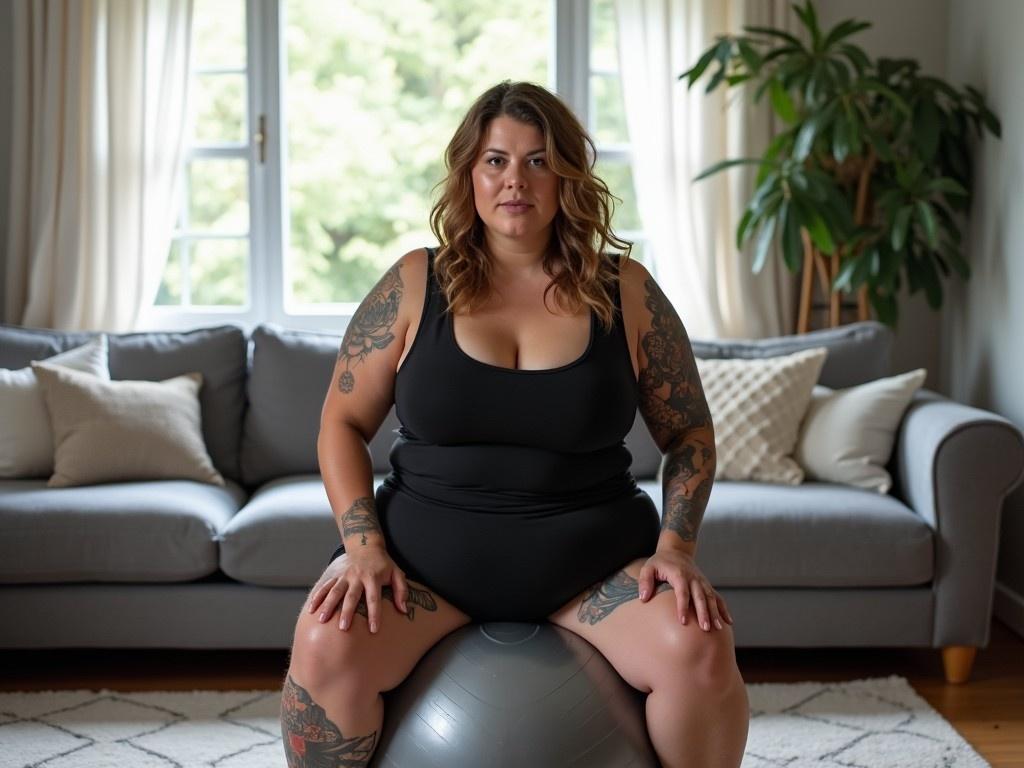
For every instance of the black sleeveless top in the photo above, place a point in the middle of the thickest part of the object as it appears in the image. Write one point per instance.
(511, 490)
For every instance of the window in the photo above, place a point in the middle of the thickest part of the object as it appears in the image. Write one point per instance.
(315, 140)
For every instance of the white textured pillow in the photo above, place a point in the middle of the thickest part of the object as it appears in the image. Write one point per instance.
(757, 405)
(848, 434)
(113, 431)
(26, 445)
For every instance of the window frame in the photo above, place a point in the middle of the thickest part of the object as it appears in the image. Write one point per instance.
(568, 75)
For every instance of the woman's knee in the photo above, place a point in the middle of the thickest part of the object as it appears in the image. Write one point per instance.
(699, 657)
(325, 656)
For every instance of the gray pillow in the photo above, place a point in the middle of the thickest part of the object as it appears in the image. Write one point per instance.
(288, 381)
(857, 352)
(218, 353)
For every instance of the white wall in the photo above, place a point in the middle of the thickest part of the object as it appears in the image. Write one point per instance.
(983, 332)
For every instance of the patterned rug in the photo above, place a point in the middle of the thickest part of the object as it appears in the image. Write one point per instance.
(874, 723)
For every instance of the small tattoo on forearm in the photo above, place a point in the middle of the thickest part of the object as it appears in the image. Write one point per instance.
(361, 518)
(313, 741)
(605, 596)
(416, 597)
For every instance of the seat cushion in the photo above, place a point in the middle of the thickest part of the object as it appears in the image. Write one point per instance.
(284, 536)
(756, 534)
(152, 531)
(218, 353)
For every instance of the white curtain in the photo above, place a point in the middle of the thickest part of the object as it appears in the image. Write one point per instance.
(99, 107)
(675, 134)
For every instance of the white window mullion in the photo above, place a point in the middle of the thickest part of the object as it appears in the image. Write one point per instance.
(261, 30)
(572, 54)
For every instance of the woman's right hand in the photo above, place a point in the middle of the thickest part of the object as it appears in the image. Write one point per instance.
(368, 569)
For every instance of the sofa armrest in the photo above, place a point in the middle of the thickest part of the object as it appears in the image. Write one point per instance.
(954, 464)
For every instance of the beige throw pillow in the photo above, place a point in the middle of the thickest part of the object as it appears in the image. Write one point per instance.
(848, 434)
(757, 405)
(111, 431)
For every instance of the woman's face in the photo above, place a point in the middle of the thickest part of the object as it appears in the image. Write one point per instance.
(512, 165)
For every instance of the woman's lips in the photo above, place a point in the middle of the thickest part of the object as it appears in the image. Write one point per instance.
(515, 207)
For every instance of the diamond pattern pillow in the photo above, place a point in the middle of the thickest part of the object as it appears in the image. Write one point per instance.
(757, 406)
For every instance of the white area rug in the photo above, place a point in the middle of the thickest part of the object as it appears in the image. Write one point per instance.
(873, 723)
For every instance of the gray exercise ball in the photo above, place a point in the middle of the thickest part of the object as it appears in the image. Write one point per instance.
(513, 694)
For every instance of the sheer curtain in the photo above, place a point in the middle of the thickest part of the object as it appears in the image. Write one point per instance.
(99, 99)
(675, 134)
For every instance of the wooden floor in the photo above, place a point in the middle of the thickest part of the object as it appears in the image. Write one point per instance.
(988, 710)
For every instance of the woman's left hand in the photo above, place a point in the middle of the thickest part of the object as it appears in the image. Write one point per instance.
(678, 569)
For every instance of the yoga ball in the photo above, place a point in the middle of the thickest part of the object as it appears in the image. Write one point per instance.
(514, 695)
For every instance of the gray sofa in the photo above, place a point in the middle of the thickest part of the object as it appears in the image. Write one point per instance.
(188, 565)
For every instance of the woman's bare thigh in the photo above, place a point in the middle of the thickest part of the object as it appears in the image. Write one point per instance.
(383, 659)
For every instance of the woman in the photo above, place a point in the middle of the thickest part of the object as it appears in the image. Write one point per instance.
(510, 496)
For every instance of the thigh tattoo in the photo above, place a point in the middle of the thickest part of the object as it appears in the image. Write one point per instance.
(605, 596)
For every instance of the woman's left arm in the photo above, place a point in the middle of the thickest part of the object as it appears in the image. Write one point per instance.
(676, 412)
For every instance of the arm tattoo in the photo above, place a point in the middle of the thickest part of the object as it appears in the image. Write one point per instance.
(313, 741)
(371, 325)
(675, 409)
(361, 517)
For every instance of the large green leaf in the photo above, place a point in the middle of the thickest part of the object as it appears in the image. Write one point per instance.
(749, 55)
(819, 232)
(840, 138)
(809, 19)
(694, 72)
(927, 219)
(899, 227)
(931, 282)
(945, 184)
(809, 131)
(742, 228)
(885, 307)
(844, 29)
(771, 32)
(792, 243)
(781, 102)
(857, 57)
(764, 241)
(726, 164)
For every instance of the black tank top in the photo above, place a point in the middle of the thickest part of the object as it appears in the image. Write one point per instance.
(476, 435)
(510, 491)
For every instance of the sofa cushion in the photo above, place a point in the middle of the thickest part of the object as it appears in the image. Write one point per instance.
(26, 444)
(284, 535)
(857, 352)
(161, 530)
(112, 431)
(219, 353)
(814, 535)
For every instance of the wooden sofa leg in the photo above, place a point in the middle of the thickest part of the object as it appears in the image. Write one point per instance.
(957, 661)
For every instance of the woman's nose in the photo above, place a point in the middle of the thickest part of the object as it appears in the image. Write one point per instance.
(513, 176)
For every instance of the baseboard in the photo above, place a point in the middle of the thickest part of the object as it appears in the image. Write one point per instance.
(1008, 607)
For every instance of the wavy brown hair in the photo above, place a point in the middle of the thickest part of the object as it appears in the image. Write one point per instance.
(581, 229)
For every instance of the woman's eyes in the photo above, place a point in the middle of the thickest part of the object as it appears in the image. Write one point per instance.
(538, 160)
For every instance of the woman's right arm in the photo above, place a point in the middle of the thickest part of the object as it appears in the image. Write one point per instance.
(359, 397)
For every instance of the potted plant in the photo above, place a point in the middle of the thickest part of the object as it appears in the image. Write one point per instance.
(871, 169)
